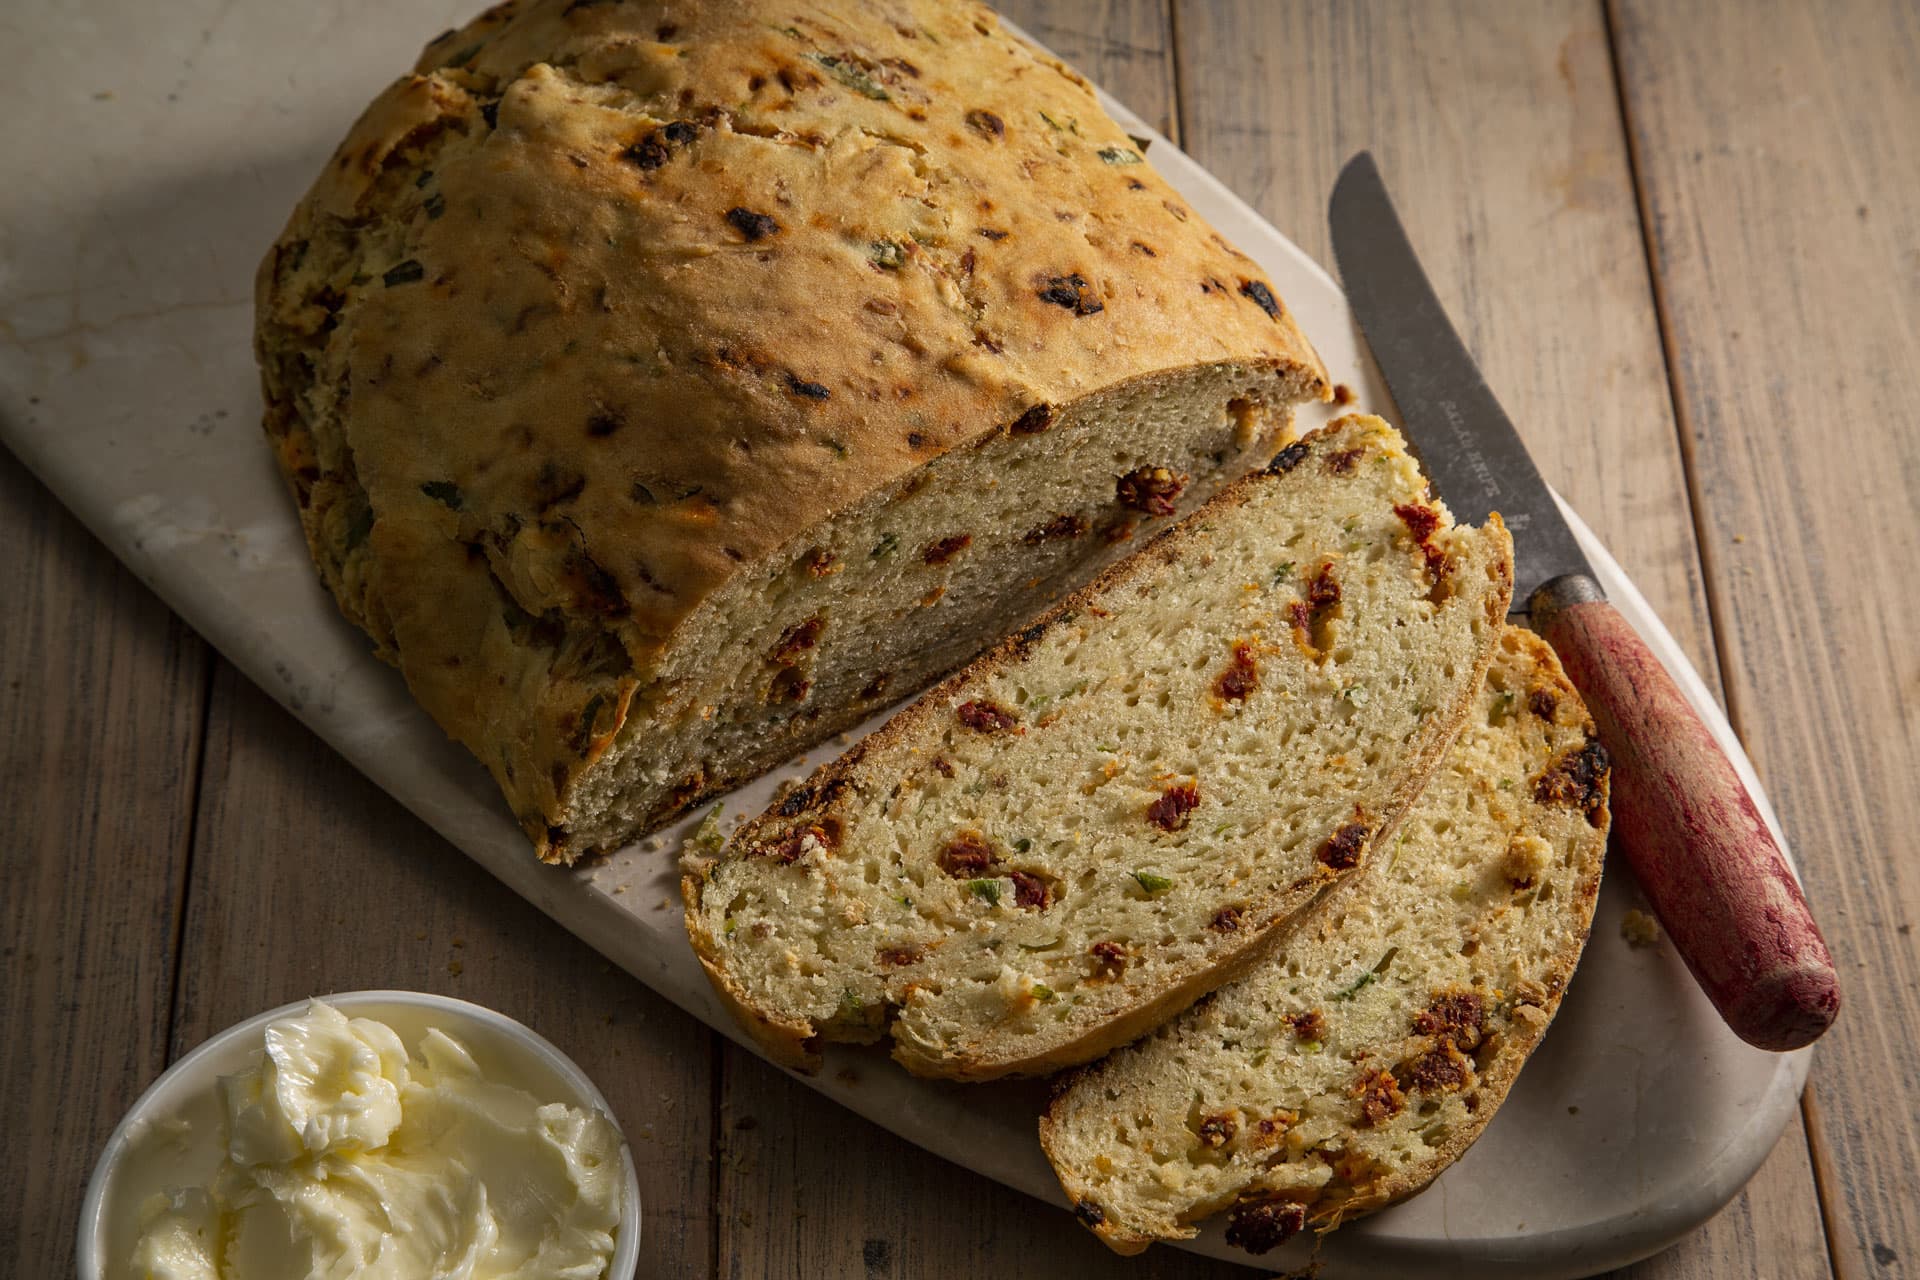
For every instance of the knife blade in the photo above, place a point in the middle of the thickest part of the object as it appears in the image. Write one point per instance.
(1702, 853)
(1463, 438)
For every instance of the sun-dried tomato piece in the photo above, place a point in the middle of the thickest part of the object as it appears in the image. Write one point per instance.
(1261, 1226)
(1241, 677)
(1169, 812)
(967, 856)
(1109, 958)
(1150, 490)
(1380, 1098)
(1343, 848)
(799, 638)
(754, 226)
(1216, 1131)
(984, 716)
(946, 548)
(1459, 1016)
(1227, 919)
(1029, 890)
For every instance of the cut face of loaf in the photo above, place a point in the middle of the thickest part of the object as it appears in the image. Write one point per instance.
(1105, 817)
(665, 387)
(1367, 1051)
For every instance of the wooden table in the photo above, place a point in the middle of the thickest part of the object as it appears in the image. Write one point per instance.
(1681, 240)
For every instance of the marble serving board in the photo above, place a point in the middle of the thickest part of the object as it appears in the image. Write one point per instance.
(153, 152)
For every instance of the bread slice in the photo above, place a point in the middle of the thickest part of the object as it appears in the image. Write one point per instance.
(1366, 1052)
(666, 387)
(1105, 817)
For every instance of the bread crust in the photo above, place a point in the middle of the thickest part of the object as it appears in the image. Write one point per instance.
(794, 1043)
(606, 306)
(1518, 1040)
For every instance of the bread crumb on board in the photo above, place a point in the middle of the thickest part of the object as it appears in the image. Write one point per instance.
(1639, 928)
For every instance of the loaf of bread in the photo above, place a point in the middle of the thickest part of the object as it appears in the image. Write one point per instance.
(1108, 815)
(667, 386)
(1362, 1056)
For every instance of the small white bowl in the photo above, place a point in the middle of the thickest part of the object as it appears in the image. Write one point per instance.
(186, 1090)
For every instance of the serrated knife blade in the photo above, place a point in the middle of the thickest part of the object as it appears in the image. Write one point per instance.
(1463, 437)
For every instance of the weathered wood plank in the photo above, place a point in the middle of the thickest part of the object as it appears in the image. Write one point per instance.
(101, 697)
(1775, 145)
(307, 879)
(810, 1189)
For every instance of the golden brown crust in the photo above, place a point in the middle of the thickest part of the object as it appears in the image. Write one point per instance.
(605, 305)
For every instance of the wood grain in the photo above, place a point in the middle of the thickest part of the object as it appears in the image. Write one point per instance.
(101, 692)
(1775, 146)
(307, 878)
(1499, 129)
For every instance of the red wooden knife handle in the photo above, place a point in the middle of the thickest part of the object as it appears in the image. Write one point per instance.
(1699, 847)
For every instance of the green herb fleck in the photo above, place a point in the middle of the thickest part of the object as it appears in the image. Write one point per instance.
(905, 901)
(707, 838)
(850, 1000)
(1022, 845)
(887, 254)
(986, 890)
(1365, 980)
(839, 449)
(1102, 746)
(1355, 695)
(1369, 977)
(729, 925)
(1311, 1046)
(1153, 884)
(1078, 686)
(1506, 784)
(1503, 705)
(403, 273)
(790, 31)
(1071, 126)
(445, 492)
(1283, 573)
(885, 547)
(1042, 992)
(1223, 828)
(851, 76)
(1461, 891)
(1118, 155)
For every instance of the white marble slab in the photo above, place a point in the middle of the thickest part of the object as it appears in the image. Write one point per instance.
(152, 153)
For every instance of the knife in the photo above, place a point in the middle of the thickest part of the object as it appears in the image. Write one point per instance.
(1699, 847)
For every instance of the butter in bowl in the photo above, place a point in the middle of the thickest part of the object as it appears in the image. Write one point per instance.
(375, 1133)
